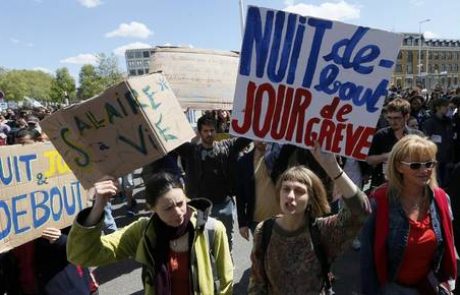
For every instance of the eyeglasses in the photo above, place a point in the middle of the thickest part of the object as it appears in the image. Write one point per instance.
(418, 165)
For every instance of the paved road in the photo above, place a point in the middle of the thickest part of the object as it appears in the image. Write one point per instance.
(124, 278)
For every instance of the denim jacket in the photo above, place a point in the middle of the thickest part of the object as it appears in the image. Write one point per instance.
(396, 243)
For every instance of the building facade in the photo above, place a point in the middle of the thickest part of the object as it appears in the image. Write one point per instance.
(438, 64)
(138, 61)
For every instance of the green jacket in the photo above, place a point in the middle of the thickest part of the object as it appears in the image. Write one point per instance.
(87, 247)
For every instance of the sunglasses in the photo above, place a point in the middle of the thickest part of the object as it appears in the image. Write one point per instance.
(418, 165)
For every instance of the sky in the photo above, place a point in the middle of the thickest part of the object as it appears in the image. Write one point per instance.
(51, 34)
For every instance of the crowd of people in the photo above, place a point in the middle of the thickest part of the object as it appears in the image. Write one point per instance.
(303, 209)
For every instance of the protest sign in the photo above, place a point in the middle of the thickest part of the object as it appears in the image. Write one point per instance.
(37, 190)
(302, 79)
(201, 79)
(126, 127)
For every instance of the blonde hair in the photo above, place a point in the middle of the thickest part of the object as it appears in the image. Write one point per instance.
(315, 189)
(412, 147)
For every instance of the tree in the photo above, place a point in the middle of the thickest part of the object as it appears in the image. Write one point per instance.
(19, 83)
(63, 86)
(90, 82)
(107, 68)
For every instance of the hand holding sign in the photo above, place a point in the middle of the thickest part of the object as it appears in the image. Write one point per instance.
(51, 234)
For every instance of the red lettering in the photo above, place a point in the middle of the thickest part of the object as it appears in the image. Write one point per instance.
(364, 142)
(247, 111)
(338, 138)
(352, 138)
(301, 102)
(259, 130)
(283, 106)
(310, 136)
(328, 110)
(344, 110)
(326, 134)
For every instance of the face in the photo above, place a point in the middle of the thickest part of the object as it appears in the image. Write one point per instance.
(416, 104)
(208, 134)
(171, 207)
(396, 120)
(419, 176)
(27, 139)
(412, 123)
(293, 198)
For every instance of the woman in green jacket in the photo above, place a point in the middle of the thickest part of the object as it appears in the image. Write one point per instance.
(182, 250)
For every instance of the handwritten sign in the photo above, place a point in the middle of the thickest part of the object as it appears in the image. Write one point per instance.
(124, 128)
(303, 79)
(37, 190)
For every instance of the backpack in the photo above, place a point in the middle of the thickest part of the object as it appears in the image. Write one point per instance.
(267, 227)
(210, 233)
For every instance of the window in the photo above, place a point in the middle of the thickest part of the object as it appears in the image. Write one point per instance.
(138, 54)
(409, 68)
(409, 56)
(129, 54)
(146, 71)
(146, 63)
(140, 72)
(443, 67)
(400, 55)
(146, 54)
(398, 68)
(132, 72)
(430, 68)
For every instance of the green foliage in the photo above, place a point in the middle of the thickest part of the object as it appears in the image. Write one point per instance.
(107, 68)
(63, 86)
(90, 82)
(19, 83)
(95, 79)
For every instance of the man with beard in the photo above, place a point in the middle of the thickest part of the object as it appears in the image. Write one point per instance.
(209, 169)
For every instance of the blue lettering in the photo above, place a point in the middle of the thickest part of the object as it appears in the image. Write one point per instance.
(327, 78)
(296, 50)
(253, 38)
(75, 187)
(273, 74)
(364, 55)
(321, 26)
(6, 180)
(17, 214)
(53, 193)
(39, 221)
(69, 208)
(370, 98)
(27, 159)
(7, 216)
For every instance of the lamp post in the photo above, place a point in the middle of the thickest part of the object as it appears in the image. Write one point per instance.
(420, 46)
(241, 17)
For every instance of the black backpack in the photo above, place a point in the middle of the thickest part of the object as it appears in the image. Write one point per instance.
(267, 227)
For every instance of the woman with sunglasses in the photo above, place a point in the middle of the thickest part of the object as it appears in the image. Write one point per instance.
(407, 242)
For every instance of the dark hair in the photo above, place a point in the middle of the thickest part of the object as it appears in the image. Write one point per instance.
(158, 185)
(399, 105)
(23, 133)
(438, 102)
(422, 100)
(456, 101)
(207, 120)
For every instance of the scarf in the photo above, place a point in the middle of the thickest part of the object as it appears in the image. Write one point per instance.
(165, 234)
(448, 268)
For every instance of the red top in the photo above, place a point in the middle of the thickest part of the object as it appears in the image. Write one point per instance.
(420, 249)
(179, 270)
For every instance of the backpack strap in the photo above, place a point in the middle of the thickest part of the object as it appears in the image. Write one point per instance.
(320, 254)
(210, 235)
(267, 228)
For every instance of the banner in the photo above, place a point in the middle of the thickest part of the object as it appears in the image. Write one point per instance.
(302, 79)
(37, 190)
(126, 127)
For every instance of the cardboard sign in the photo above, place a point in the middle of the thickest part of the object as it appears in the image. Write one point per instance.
(201, 79)
(302, 79)
(126, 127)
(37, 190)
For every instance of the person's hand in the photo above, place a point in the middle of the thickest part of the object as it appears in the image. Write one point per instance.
(244, 232)
(327, 160)
(51, 234)
(104, 190)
